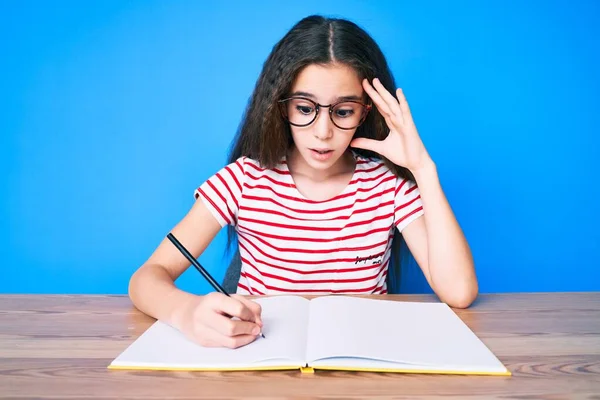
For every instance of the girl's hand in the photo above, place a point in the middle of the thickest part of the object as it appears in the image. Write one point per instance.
(402, 146)
(207, 320)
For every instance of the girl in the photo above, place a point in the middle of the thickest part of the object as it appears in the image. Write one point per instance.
(326, 172)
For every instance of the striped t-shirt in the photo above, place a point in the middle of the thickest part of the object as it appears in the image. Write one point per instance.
(289, 243)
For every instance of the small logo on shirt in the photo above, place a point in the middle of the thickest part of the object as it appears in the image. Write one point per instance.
(374, 257)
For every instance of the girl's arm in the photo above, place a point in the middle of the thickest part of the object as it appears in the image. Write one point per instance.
(439, 245)
(202, 318)
(435, 240)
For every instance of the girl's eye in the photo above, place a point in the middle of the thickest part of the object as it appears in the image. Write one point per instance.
(344, 113)
(305, 109)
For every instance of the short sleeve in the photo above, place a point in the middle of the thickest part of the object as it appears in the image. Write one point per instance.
(221, 193)
(407, 203)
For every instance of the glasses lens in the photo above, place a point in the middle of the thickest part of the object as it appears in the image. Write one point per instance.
(300, 111)
(347, 115)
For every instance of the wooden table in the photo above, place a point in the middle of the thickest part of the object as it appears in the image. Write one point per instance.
(58, 347)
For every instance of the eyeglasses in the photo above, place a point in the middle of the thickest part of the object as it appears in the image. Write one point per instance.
(301, 111)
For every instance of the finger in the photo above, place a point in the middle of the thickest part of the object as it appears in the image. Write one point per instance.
(403, 105)
(391, 101)
(233, 307)
(253, 306)
(212, 338)
(208, 337)
(377, 100)
(231, 327)
(392, 120)
(367, 144)
(236, 341)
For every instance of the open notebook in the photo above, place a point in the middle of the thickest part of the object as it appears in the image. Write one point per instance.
(330, 332)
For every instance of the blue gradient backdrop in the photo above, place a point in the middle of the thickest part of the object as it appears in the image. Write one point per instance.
(112, 112)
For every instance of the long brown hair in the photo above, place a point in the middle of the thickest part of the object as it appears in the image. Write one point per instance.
(263, 134)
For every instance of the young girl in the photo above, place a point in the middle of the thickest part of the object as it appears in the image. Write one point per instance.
(326, 170)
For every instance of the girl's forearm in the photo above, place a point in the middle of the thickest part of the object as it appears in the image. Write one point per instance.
(450, 262)
(153, 291)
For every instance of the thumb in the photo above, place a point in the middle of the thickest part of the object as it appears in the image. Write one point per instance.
(367, 144)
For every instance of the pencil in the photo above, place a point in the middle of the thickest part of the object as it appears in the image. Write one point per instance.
(199, 267)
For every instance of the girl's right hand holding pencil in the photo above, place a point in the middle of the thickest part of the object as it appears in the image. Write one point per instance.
(216, 320)
(212, 320)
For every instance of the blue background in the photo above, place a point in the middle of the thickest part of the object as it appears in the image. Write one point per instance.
(113, 112)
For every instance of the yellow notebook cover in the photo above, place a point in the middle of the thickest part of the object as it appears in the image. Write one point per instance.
(329, 333)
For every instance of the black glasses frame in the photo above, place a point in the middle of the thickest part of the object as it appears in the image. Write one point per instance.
(282, 109)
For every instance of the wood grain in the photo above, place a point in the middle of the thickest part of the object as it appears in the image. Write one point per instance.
(58, 347)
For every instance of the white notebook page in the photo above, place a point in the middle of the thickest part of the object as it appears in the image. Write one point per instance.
(429, 335)
(285, 319)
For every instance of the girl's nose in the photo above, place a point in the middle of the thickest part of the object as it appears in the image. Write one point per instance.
(323, 128)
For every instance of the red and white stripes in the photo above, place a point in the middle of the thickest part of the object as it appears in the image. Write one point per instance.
(290, 244)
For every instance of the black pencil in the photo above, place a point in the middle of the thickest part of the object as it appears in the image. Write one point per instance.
(199, 267)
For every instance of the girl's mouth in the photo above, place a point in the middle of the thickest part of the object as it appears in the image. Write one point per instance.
(321, 154)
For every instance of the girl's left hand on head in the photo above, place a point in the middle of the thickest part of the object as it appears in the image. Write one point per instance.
(402, 146)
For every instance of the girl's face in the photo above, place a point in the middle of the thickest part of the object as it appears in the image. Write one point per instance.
(322, 143)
